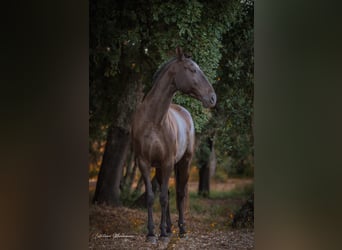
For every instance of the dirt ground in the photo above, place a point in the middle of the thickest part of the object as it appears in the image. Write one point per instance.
(208, 223)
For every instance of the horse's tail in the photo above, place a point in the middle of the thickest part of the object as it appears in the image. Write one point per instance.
(133, 155)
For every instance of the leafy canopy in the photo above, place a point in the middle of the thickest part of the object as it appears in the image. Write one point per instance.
(141, 35)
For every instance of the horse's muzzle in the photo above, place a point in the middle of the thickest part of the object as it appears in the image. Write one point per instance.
(209, 101)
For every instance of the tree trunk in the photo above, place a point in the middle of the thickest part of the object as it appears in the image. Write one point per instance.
(129, 168)
(108, 183)
(204, 181)
(207, 160)
(118, 140)
(212, 161)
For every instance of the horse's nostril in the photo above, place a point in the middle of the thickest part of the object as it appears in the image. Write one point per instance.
(213, 99)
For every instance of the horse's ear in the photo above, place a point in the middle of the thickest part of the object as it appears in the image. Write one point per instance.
(179, 54)
(187, 55)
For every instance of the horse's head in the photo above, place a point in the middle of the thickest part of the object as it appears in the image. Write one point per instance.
(190, 79)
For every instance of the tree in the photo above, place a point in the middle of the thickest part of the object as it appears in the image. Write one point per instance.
(203, 160)
(118, 141)
(128, 41)
(233, 116)
(113, 68)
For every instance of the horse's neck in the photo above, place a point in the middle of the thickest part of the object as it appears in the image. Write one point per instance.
(158, 100)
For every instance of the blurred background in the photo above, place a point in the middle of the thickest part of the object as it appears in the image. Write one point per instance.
(129, 41)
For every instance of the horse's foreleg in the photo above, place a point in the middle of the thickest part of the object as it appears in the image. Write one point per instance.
(145, 171)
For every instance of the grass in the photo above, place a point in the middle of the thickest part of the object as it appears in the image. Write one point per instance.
(215, 211)
(242, 192)
(196, 205)
(219, 208)
(196, 201)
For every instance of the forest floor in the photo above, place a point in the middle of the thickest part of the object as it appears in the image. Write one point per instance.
(208, 222)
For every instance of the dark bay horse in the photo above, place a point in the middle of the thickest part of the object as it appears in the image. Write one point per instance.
(164, 135)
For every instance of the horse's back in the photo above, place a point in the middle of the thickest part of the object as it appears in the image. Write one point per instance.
(185, 130)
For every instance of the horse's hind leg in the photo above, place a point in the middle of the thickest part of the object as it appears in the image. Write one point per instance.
(182, 170)
(168, 217)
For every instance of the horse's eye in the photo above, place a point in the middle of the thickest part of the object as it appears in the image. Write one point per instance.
(191, 69)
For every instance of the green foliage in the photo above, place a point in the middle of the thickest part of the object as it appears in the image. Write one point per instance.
(203, 153)
(128, 198)
(233, 118)
(200, 115)
(138, 36)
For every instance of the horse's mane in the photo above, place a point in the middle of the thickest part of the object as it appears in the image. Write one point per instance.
(161, 69)
(164, 67)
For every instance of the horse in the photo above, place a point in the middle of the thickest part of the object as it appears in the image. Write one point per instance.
(163, 135)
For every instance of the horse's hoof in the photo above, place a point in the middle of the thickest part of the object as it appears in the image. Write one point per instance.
(164, 239)
(151, 239)
(183, 235)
